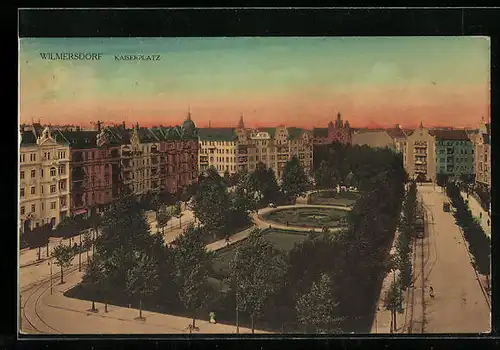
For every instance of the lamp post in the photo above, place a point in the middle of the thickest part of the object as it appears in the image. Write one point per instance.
(50, 264)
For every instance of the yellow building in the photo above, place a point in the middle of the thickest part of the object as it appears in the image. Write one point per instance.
(420, 155)
(218, 149)
(273, 147)
(44, 196)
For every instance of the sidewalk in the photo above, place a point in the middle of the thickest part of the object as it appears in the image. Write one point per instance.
(56, 310)
(29, 257)
(476, 209)
(232, 239)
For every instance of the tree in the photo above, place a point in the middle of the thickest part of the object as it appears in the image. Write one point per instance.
(295, 182)
(257, 271)
(94, 221)
(211, 202)
(142, 278)
(94, 275)
(124, 232)
(324, 176)
(156, 204)
(176, 211)
(317, 308)
(63, 255)
(163, 216)
(87, 242)
(263, 182)
(193, 264)
(227, 178)
(394, 302)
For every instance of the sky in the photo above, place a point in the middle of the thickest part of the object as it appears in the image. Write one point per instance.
(293, 81)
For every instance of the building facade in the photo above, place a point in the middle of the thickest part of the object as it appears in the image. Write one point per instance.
(218, 149)
(399, 137)
(335, 132)
(43, 177)
(274, 147)
(421, 155)
(482, 151)
(95, 169)
(454, 154)
(160, 159)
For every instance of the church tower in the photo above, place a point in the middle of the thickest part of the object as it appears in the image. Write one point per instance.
(241, 123)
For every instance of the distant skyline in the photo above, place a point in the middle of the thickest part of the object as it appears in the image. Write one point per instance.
(303, 82)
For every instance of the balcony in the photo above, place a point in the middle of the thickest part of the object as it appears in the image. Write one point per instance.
(126, 154)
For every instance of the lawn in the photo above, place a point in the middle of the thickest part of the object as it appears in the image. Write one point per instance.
(307, 217)
(282, 240)
(334, 198)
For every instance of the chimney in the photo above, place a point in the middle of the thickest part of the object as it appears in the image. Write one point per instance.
(98, 126)
(123, 124)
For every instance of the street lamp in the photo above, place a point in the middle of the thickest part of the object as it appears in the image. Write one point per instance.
(50, 264)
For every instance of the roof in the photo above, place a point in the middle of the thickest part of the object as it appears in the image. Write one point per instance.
(373, 139)
(294, 133)
(396, 133)
(450, 134)
(217, 134)
(488, 128)
(320, 132)
(146, 136)
(270, 131)
(81, 139)
(30, 134)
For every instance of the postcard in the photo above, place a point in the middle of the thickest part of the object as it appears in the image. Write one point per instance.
(254, 185)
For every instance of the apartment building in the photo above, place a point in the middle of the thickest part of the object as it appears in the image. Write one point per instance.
(421, 154)
(218, 149)
(43, 177)
(454, 154)
(95, 169)
(481, 140)
(274, 147)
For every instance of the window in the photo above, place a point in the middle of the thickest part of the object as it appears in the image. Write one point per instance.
(21, 175)
(22, 210)
(41, 173)
(22, 192)
(52, 205)
(22, 158)
(42, 206)
(52, 171)
(62, 170)
(33, 173)
(32, 189)
(41, 189)
(52, 188)
(33, 208)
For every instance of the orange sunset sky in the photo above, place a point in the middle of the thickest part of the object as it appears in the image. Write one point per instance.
(302, 82)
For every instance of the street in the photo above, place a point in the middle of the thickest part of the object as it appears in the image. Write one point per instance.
(459, 304)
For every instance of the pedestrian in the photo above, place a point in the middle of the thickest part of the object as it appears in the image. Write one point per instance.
(212, 317)
(431, 292)
(227, 241)
(480, 214)
(287, 223)
(488, 222)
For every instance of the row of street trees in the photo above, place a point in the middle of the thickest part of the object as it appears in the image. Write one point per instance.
(402, 260)
(479, 243)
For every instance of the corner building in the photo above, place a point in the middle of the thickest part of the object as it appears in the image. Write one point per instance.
(43, 177)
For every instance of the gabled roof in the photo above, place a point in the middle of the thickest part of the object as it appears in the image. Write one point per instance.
(28, 137)
(217, 134)
(396, 133)
(320, 132)
(374, 138)
(81, 139)
(450, 134)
